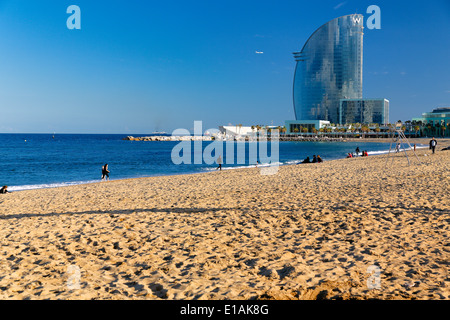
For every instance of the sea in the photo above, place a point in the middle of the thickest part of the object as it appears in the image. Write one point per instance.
(34, 161)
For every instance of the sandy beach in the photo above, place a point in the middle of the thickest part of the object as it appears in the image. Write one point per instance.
(356, 228)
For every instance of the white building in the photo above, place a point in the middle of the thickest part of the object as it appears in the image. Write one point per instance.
(236, 130)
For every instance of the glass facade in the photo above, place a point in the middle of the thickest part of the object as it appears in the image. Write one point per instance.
(364, 111)
(439, 116)
(328, 69)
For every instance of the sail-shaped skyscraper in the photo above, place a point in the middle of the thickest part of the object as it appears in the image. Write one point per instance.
(329, 68)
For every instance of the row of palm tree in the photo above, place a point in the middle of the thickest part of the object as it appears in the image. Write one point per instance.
(439, 129)
(416, 128)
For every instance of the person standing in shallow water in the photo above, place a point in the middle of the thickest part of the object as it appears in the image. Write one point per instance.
(105, 172)
(219, 162)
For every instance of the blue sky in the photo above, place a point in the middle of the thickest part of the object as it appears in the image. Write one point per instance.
(140, 66)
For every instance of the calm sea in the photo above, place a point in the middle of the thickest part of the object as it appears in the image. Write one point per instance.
(31, 161)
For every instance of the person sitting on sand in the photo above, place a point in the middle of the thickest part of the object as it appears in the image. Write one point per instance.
(4, 189)
(314, 160)
(349, 155)
(319, 159)
(105, 172)
(306, 160)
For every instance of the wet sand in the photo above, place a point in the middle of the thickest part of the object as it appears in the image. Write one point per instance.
(310, 231)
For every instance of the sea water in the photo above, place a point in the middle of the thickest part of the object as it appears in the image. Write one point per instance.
(32, 161)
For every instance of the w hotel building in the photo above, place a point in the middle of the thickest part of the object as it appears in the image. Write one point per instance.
(329, 70)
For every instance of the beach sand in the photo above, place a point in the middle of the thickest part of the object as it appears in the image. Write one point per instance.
(312, 231)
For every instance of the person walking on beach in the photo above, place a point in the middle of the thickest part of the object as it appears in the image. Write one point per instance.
(4, 189)
(219, 162)
(397, 147)
(105, 172)
(357, 151)
(433, 144)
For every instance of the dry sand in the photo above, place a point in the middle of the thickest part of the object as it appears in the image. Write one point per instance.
(308, 232)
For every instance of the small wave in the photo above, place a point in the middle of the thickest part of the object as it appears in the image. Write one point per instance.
(259, 165)
(48, 185)
(393, 150)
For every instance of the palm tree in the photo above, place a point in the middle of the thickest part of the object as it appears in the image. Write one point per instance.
(429, 126)
(416, 129)
(365, 129)
(377, 130)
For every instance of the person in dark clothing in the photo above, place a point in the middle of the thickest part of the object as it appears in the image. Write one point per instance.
(219, 162)
(105, 172)
(433, 144)
(319, 159)
(357, 151)
(306, 160)
(4, 189)
(314, 160)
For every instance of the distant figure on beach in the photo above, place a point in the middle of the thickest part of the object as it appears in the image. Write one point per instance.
(433, 144)
(306, 160)
(357, 151)
(105, 172)
(349, 155)
(219, 162)
(319, 159)
(314, 160)
(366, 154)
(414, 147)
(397, 147)
(4, 189)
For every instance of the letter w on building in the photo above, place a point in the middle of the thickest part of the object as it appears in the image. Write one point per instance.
(356, 19)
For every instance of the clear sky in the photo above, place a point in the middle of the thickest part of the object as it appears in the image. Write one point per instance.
(139, 66)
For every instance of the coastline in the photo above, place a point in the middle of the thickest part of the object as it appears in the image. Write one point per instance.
(205, 169)
(308, 232)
